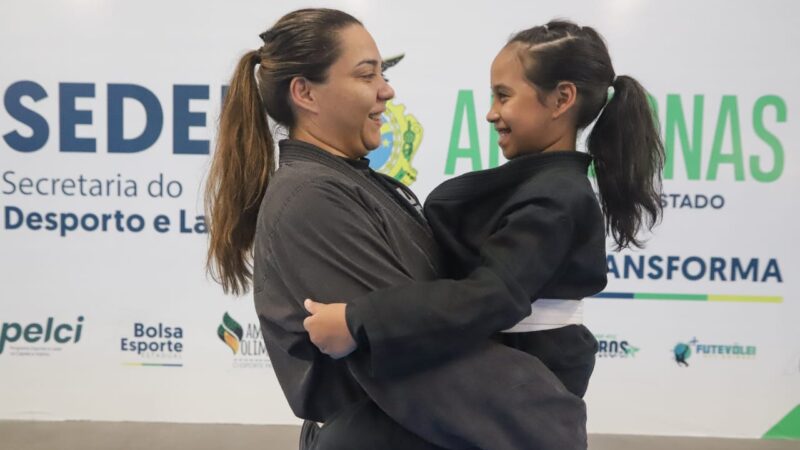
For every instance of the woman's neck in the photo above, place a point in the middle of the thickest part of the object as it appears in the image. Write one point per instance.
(307, 136)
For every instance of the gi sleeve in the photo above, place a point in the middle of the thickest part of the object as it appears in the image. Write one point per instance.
(427, 321)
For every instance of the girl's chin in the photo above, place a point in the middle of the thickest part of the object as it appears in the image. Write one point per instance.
(508, 152)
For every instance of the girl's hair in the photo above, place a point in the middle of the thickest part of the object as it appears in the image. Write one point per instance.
(625, 142)
(303, 43)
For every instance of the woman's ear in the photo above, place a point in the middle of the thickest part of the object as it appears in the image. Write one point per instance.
(301, 92)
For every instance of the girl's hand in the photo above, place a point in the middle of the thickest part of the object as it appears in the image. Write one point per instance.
(327, 328)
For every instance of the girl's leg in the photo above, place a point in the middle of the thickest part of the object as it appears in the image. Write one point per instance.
(569, 352)
(493, 397)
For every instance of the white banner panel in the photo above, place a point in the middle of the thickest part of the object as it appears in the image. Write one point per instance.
(109, 113)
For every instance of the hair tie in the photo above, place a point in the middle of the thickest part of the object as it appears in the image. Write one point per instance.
(267, 35)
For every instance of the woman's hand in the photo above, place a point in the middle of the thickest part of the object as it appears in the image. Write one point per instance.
(327, 328)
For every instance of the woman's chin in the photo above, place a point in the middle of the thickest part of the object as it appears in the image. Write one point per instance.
(371, 142)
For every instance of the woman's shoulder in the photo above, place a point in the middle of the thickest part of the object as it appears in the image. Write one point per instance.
(309, 192)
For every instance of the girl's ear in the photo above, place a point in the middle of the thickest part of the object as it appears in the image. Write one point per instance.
(563, 98)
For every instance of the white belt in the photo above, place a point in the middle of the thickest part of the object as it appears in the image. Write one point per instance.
(547, 314)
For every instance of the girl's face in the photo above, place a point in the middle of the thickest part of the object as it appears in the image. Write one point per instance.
(521, 120)
(354, 96)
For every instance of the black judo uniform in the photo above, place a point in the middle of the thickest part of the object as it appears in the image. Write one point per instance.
(535, 224)
(331, 230)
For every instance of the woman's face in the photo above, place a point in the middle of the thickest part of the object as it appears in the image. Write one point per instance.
(354, 95)
(520, 118)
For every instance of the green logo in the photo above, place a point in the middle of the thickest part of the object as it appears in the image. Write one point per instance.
(230, 332)
(401, 135)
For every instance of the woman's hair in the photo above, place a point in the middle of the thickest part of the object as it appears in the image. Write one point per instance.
(304, 43)
(625, 142)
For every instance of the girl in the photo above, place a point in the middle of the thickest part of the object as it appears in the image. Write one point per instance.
(528, 231)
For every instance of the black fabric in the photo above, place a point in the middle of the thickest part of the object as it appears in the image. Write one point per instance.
(309, 435)
(529, 229)
(397, 190)
(327, 232)
(363, 425)
(569, 352)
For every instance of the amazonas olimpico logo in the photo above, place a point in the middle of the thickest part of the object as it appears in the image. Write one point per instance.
(401, 135)
(246, 343)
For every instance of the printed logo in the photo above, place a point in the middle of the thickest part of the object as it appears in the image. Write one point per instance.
(245, 342)
(401, 135)
(38, 339)
(230, 332)
(682, 353)
(612, 346)
(153, 345)
(685, 350)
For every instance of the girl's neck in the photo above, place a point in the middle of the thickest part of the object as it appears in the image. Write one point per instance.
(564, 143)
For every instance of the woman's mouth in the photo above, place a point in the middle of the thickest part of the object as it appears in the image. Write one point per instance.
(376, 117)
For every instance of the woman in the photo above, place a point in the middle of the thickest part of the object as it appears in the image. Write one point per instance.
(325, 226)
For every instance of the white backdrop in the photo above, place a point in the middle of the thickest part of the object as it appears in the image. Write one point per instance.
(715, 286)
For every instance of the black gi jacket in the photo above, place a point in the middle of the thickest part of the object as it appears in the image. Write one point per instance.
(325, 231)
(529, 229)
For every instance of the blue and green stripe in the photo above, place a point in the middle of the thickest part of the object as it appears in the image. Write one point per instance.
(689, 297)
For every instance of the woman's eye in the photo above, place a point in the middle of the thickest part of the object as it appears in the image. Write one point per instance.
(372, 76)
